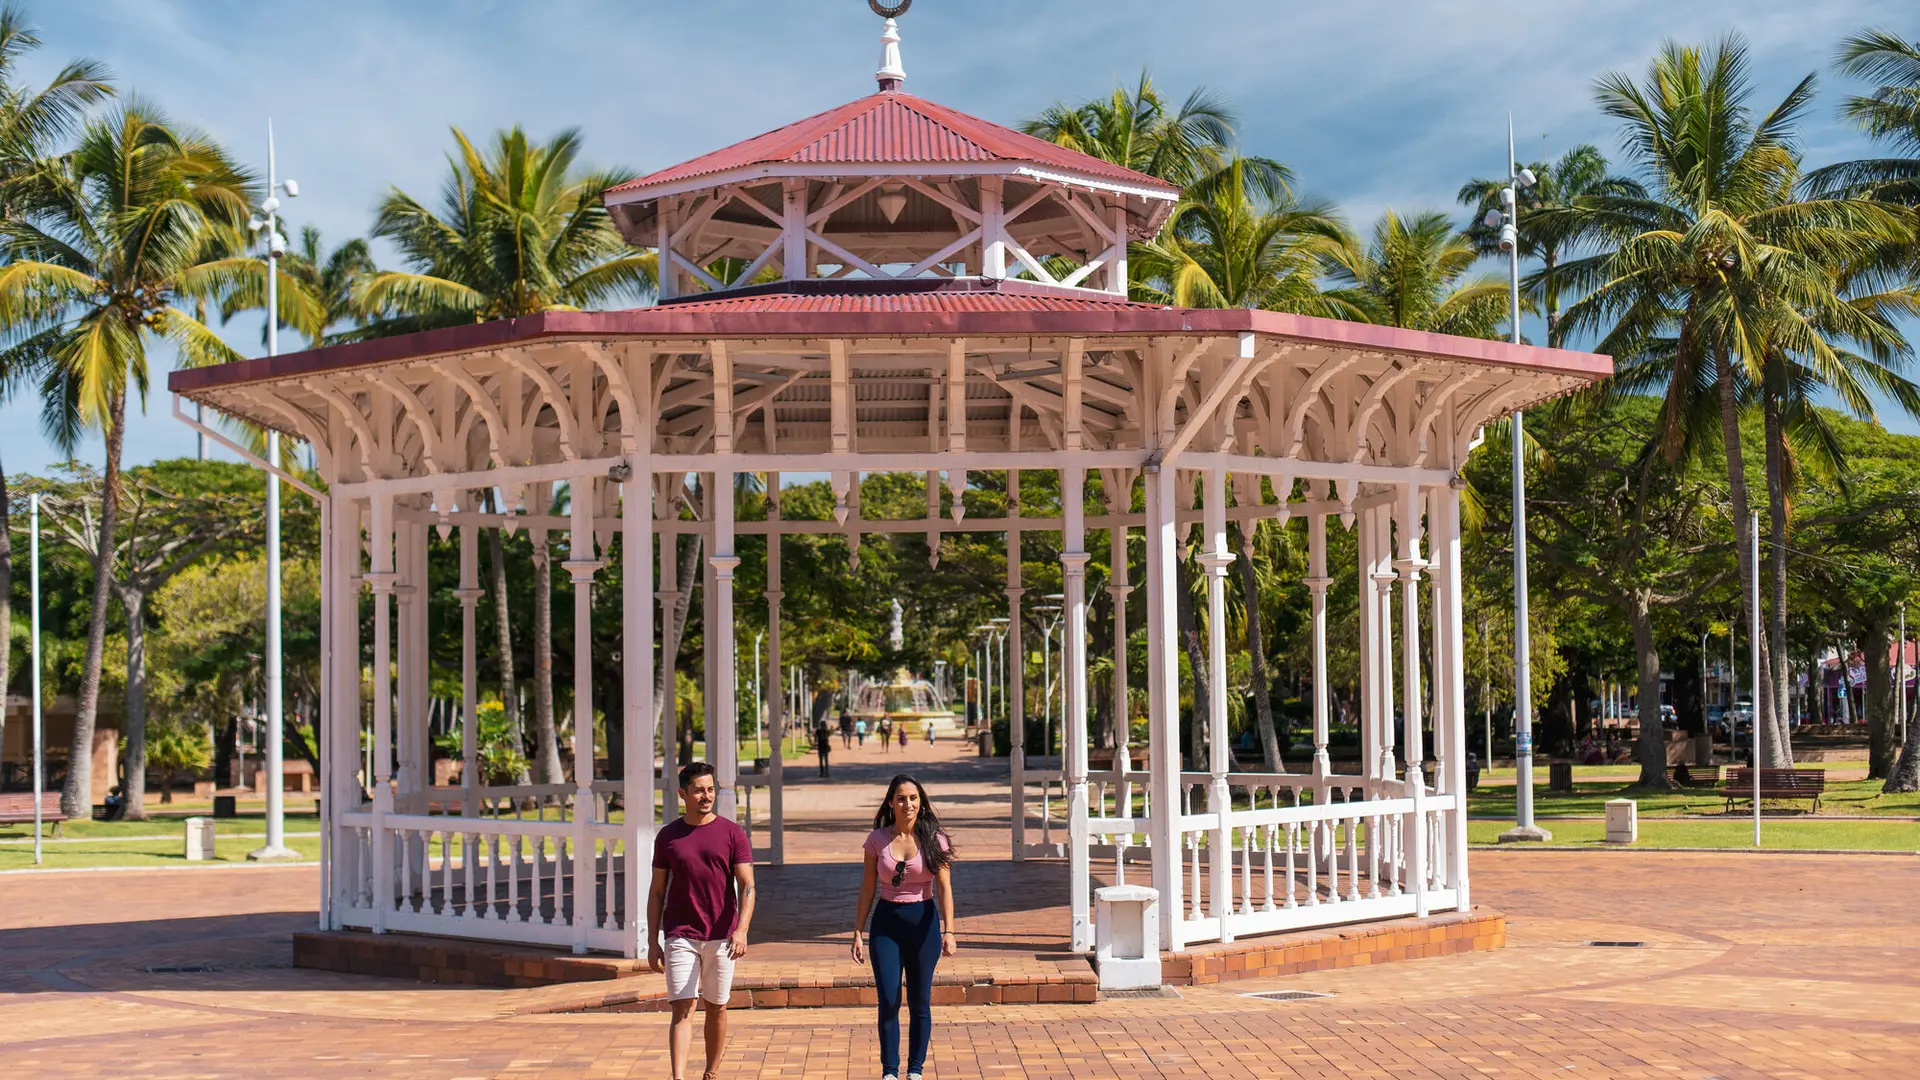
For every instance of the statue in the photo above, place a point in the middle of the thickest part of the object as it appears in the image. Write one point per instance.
(898, 639)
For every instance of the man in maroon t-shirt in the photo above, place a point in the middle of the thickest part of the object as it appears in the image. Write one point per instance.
(696, 921)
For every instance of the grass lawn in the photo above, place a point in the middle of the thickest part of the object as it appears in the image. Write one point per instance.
(174, 823)
(1861, 798)
(141, 853)
(1774, 833)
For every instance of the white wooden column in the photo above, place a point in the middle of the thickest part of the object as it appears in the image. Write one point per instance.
(381, 579)
(1454, 715)
(669, 595)
(774, 685)
(1380, 573)
(581, 565)
(347, 790)
(1074, 750)
(1408, 565)
(1216, 560)
(469, 594)
(1163, 706)
(637, 669)
(409, 730)
(1317, 582)
(993, 228)
(1119, 590)
(1016, 651)
(723, 720)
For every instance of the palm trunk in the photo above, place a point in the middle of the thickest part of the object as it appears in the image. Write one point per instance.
(1651, 748)
(134, 784)
(76, 795)
(547, 752)
(1775, 743)
(503, 624)
(1875, 642)
(1257, 650)
(1742, 518)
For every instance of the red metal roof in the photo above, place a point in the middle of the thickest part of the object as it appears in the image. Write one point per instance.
(893, 127)
(887, 309)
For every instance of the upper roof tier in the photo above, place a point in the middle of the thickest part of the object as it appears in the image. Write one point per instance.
(892, 186)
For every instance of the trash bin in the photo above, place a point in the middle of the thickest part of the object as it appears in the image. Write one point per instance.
(1560, 776)
(199, 839)
(225, 806)
(1126, 937)
(986, 742)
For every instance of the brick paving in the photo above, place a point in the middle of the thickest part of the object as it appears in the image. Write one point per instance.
(1796, 966)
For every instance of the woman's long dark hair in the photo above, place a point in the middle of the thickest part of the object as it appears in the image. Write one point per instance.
(927, 832)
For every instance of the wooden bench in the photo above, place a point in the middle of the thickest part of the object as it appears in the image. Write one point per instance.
(16, 808)
(1776, 784)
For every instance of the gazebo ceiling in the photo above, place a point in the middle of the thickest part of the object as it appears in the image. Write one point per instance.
(493, 394)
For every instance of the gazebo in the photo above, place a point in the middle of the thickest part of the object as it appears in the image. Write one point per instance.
(916, 290)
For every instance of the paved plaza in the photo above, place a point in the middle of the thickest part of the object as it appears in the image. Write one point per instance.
(1752, 966)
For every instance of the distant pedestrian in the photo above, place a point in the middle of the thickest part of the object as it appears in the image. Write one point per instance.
(886, 735)
(698, 911)
(846, 730)
(908, 863)
(823, 746)
(860, 731)
(900, 732)
(928, 728)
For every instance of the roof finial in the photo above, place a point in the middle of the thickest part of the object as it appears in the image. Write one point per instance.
(891, 75)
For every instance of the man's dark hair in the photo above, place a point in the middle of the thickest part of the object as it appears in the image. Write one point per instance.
(693, 769)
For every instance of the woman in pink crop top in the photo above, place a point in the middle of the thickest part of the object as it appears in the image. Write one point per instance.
(908, 865)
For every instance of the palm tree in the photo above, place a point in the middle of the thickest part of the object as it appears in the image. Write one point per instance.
(1230, 246)
(31, 123)
(1413, 274)
(520, 230)
(1139, 131)
(110, 239)
(1580, 171)
(333, 279)
(1890, 114)
(1718, 267)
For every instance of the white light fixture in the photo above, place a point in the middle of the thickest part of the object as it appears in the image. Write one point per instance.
(1509, 237)
(292, 188)
(1527, 179)
(893, 199)
(1493, 219)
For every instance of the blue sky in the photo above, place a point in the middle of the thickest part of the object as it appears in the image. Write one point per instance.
(1374, 104)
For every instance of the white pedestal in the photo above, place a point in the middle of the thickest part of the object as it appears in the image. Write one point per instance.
(199, 839)
(1623, 821)
(1126, 937)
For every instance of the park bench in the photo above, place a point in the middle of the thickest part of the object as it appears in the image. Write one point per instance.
(16, 808)
(1776, 784)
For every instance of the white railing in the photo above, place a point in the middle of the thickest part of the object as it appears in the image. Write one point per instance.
(1284, 867)
(541, 881)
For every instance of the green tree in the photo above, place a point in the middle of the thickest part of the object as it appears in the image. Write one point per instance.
(1578, 172)
(1138, 130)
(1889, 114)
(520, 230)
(111, 239)
(32, 122)
(1413, 272)
(174, 747)
(1718, 266)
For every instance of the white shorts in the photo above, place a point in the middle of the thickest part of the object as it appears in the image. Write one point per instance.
(702, 969)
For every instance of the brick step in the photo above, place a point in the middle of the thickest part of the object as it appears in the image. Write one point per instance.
(1275, 955)
(961, 989)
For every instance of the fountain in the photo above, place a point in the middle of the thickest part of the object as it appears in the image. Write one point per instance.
(906, 700)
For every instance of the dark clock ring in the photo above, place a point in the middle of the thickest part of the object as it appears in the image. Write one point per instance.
(889, 11)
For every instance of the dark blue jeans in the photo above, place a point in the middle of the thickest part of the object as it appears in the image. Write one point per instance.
(904, 937)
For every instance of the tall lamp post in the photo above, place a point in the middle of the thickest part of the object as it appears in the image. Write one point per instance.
(276, 846)
(1507, 217)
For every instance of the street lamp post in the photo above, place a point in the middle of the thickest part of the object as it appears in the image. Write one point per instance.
(276, 845)
(1508, 219)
